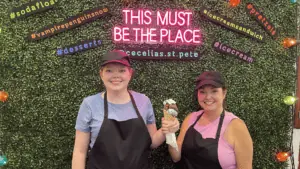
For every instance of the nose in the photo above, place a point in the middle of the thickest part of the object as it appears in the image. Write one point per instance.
(116, 74)
(208, 95)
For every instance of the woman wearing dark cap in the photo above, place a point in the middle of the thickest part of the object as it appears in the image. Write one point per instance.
(213, 138)
(118, 124)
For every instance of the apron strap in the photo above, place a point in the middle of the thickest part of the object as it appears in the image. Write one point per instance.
(219, 126)
(105, 106)
(134, 105)
(197, 119)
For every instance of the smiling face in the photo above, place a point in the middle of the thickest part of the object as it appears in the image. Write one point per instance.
(115, 76)
(211, 98)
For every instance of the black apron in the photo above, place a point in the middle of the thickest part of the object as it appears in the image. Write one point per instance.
(200, 153)
(121, 144)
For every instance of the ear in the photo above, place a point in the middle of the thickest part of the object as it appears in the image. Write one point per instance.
(197, 92)
(101, 73)
(131, 70)
(224, 92)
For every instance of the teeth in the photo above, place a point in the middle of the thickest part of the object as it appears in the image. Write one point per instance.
(209, 103)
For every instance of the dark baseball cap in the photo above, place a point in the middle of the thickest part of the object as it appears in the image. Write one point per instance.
(210, 78)
(116, 56)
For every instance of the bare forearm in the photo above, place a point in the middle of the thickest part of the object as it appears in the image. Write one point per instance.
(245, 168)
(176, 155)
(158, 138)
(78, 161)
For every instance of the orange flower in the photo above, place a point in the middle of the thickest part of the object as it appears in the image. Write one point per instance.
(234, 3)
(282, 156)
(289, 42)
(3, 96)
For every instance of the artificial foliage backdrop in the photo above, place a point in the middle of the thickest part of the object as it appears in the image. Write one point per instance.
(45, 90)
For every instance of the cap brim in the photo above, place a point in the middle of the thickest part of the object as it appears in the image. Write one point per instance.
(208, 82)
(123, 62)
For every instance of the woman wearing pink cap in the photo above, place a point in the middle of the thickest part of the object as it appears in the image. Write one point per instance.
(118, 125)
(213, 138)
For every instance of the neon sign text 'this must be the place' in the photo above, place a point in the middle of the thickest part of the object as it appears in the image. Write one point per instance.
(145, 26)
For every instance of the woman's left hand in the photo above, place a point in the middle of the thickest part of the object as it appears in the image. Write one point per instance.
(169, 126)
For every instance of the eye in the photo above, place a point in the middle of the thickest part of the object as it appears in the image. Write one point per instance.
(107, 70)
(123, 70)
(201, 91)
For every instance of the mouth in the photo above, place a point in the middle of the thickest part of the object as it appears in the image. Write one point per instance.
(115, 82)
(208, 102)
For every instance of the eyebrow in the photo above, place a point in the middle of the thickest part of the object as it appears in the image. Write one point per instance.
(212, 87)
(115, 64)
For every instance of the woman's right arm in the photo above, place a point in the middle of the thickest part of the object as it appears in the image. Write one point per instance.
(82, 140)
(176, 155)
(82, 136)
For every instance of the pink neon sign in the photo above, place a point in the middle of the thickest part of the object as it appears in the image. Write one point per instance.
(145, 26)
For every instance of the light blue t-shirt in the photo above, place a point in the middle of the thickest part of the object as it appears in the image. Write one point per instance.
(91, 113)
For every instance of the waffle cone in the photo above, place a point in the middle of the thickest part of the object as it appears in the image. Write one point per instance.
(168, 116)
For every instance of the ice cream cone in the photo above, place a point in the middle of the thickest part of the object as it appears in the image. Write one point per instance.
(168, 116)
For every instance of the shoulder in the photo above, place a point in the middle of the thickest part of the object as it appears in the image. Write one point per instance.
(237, 123)
(230, 115)
(237, 128)
(190, 118)
(234, 121)
(193, 116)
(139, 97)
(239, 133)
(138, 94)
(93, 99)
